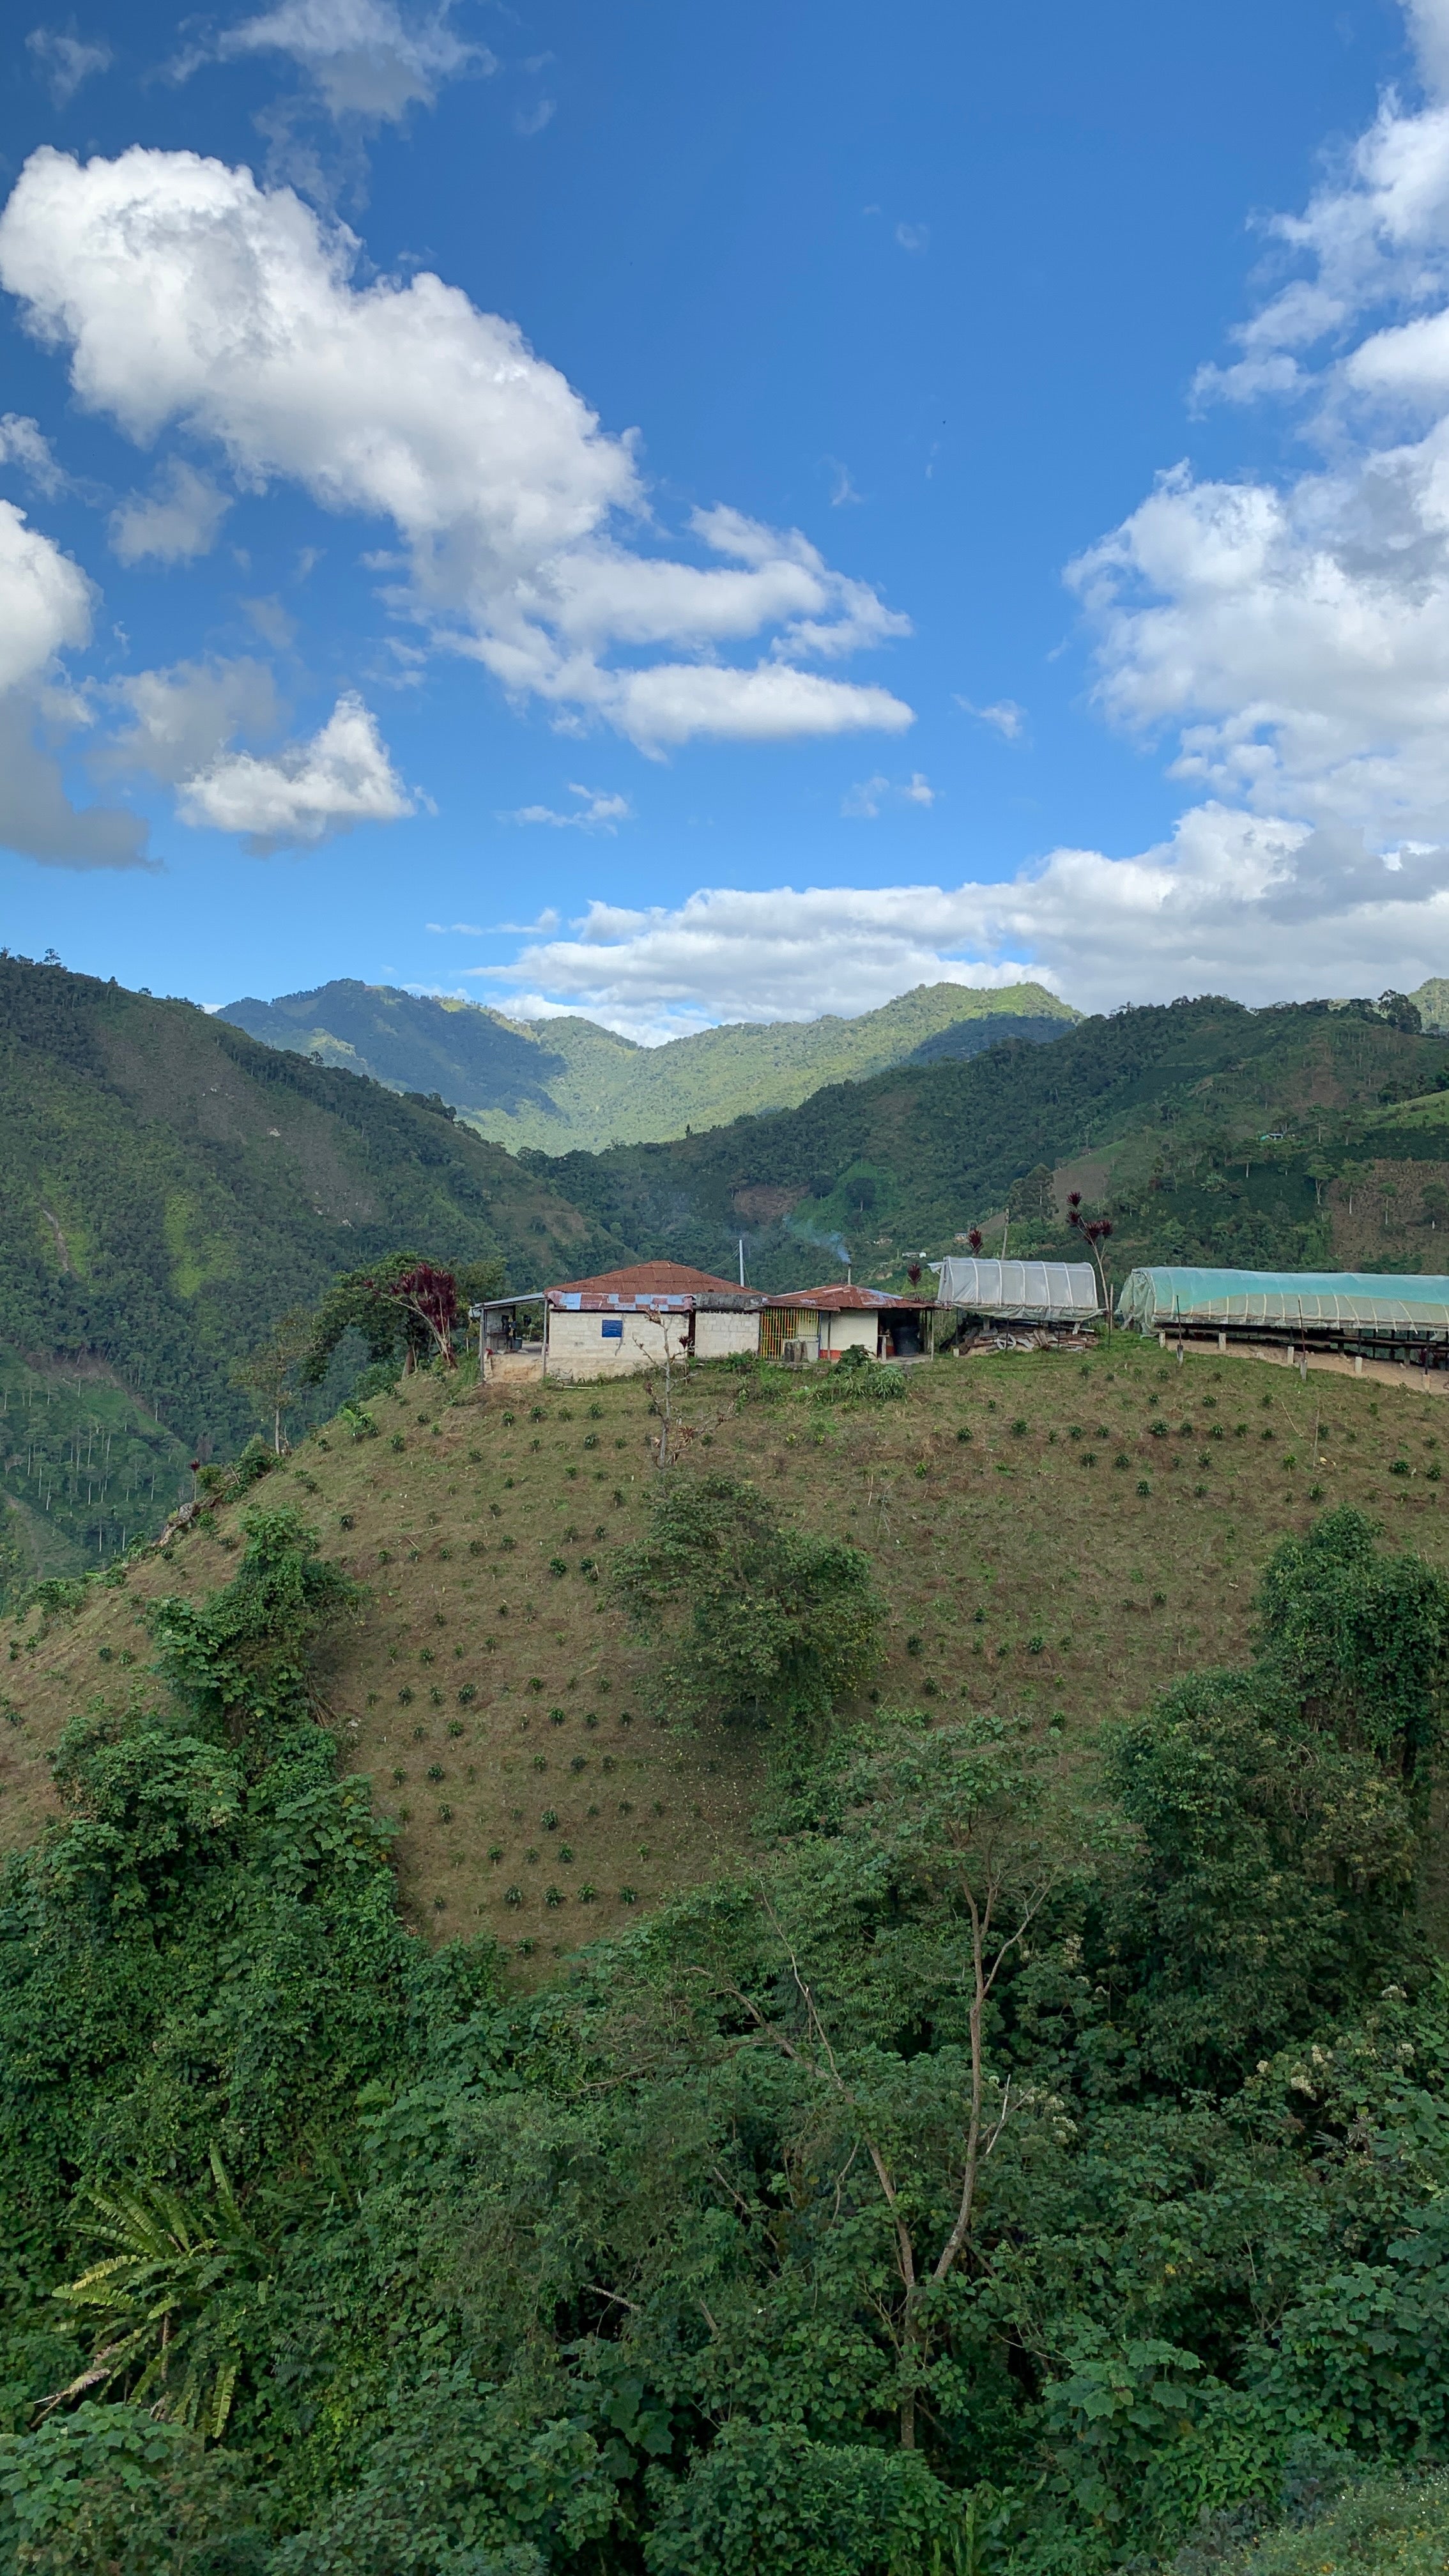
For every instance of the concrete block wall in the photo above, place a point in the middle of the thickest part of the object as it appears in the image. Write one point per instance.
(578, 1347)
(718, 1335)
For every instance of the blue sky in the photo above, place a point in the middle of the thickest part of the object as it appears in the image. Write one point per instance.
(691, 515)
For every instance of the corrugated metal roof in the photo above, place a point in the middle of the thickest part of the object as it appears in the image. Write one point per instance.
(574, 1301)
(847, 1301)
(1029, 1291)
(1156, 1299)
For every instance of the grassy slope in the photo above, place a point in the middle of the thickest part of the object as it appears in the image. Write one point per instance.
(1091, 1595)
(169, 1187)
(907, 1161)
(570, 1084)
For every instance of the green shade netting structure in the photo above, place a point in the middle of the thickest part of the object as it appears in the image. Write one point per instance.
(1363, 1300)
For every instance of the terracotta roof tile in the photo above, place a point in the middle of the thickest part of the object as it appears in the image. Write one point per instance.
(649, 1279)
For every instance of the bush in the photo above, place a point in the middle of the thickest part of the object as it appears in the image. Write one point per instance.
(239, 1658)
(1362, 1636)
(767, 2501)
(764, 1621)
(256, 1461)
(379, 1379)
(855, 1378)
(58, 1596)
(111, 2488)
(1386, 2527)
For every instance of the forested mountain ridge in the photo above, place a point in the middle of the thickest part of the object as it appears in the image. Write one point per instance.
(568, 1084)
(168, 1187)
(1216, 1132)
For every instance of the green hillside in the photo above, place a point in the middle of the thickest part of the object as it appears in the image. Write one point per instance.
(1213, 1131)
(1431, 1000)
(168, 1189)
(567, 1084)
(510, 2035)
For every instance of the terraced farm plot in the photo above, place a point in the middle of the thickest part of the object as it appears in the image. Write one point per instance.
(1052, 1535)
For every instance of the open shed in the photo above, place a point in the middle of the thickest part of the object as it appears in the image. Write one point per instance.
(822, 1323)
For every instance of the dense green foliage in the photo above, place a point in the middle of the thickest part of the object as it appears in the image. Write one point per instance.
(762, 1621)
(85, 1466)
(170, 1189)
(573, 1085)
(1219, 1125)
(1385, 2527)
(1009, 2173)
(368, 1303)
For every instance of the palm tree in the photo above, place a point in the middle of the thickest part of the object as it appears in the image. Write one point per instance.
(170, 2304)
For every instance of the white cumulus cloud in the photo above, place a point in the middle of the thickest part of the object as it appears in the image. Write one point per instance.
(187, 294)
(1291, 636)
(305, 793)
(1266, 911)
(173, 524)
(46, 608)
(45, 600)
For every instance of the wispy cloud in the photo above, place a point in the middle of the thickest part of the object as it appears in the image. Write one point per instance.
(914, 237)
(64, 59)
(865, 802)
(1004, 717)
(599, 812)
(172, 524)
(23, 443)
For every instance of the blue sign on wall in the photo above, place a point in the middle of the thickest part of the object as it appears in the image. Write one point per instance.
(613, 1332)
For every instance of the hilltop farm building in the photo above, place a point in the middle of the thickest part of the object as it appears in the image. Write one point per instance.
(625, 1321)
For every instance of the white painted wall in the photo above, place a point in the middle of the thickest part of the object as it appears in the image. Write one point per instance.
(577, 1347)
(849, 1332)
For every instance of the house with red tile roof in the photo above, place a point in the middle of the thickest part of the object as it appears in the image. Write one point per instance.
(622, 1322)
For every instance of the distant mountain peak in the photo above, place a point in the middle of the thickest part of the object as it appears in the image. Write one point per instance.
(568, 1084)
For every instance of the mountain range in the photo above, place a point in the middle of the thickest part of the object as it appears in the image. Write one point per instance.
(170, 1187)
(567, 1084)
(1215, 1132)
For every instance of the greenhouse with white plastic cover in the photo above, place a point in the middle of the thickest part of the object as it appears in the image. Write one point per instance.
(1047, 1298)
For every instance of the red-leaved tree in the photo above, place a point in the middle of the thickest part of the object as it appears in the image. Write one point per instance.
(431, 1296)
(1095, 1231)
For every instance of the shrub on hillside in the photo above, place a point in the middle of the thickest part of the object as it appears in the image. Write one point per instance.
(759, 1620)
(855, 1378)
